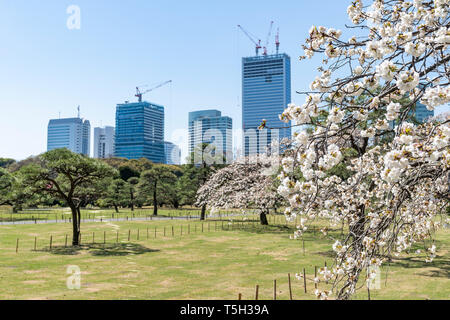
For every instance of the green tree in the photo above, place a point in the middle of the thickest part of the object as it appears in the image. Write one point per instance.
(156, 182)
(6, 162)
(62, 174)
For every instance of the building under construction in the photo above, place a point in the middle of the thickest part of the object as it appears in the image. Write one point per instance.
(266, 92)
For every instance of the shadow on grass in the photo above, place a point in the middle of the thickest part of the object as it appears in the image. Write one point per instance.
(97, 249)
(441, 263)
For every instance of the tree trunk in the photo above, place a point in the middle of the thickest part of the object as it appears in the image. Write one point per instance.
(75, 225)
(116, 208)
(263, 218)
(203, 213)
(132, 200)
(155, 202)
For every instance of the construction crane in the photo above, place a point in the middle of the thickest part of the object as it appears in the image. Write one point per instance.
(256, 42)
(139, 94)
(268, 38)
(277, 40)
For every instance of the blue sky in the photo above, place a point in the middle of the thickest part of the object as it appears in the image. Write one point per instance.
(45, 68)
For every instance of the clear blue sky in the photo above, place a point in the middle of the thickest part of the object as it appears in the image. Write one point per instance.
(45, 68)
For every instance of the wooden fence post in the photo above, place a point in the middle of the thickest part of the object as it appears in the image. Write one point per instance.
(173, 234)
(65, 242)
(256, 292)
(290, 288)
(17, 245)
(35, 243)
(129, 234)
(304, 278)
(51, 240)
(240, 296)
(315, 276)
(274, 289)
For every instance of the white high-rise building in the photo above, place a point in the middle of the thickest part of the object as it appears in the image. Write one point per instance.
(104, 142)
(71, 133)
(172, 153)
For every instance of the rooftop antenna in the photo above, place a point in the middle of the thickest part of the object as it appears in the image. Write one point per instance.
(78, 111)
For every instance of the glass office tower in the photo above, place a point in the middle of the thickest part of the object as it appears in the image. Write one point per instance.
(140, 131)
(71, 133)
(173, 153)
(209, 126)
(422, 114)
(266, 92)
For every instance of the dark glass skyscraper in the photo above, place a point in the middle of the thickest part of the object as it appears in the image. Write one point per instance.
(140, 131)
(266, 92)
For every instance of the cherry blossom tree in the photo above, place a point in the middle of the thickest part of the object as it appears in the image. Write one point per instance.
(362, 101)
(245, 184)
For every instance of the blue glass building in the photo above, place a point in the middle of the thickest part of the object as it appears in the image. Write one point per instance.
(140, 131)
(422, 114)
(209, 126)
(71, 133)
(266, 92)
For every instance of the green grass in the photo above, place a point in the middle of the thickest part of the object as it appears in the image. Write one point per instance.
(61, 214)
(214, 264)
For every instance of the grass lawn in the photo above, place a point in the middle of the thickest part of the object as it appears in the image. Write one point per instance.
(214, 264)
(60, 214)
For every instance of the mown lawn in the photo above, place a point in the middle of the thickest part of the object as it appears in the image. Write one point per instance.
(214, 264)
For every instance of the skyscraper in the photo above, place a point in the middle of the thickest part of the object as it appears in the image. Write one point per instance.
(172, 152)
(266, 92)
(71, 133)
(208, 127)
(140, 131)
(104, 142)
(422, 114)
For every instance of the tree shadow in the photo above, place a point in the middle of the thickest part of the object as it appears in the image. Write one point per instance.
(100, 249)
(441, 263)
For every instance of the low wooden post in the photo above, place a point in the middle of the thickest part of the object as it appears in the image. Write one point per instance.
(256, 292)
(93, 237)
(202, 226)
(129, 234)
(17, 245)
(274, 289)
(104, 237)
(65, 242)
(173, 234)
(51, 240)
(315, 276)
(138, 234)
(304, 279)
(117, 236)
(240, 296)
(290, 288)
(35, 243)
